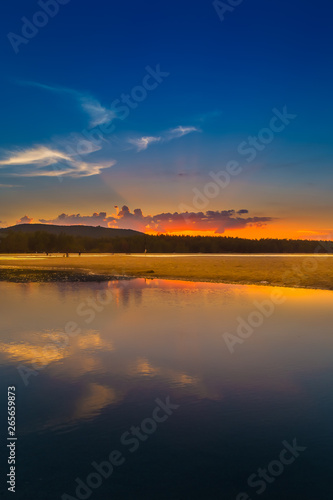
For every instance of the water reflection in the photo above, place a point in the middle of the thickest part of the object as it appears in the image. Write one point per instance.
(155, 330)
(134, 341)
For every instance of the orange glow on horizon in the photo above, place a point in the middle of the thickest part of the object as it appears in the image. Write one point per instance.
(300, 227)
(252, 233)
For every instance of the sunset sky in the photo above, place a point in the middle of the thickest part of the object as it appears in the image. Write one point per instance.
(168, 117)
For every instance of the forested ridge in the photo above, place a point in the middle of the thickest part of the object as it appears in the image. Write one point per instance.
(40, 241)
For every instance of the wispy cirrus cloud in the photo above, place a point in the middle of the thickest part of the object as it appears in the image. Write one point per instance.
(40, 156)
(97, 113)
(43, 161)
(142, 143)
(176, 133)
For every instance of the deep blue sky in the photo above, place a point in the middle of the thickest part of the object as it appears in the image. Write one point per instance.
(225, 79)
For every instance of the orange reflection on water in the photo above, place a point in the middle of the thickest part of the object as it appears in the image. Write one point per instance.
(34, 354)
(95, 398)
(172, 337)
(92, 340)
(143, 367)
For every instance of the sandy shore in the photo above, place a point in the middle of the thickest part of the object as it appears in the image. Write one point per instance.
(306, 271)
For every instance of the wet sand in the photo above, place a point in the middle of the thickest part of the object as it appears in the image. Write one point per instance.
(305, 271)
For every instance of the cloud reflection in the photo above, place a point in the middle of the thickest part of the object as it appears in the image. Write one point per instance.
(170, 339)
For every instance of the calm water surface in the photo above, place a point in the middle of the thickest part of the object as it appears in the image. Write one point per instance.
(137, 345)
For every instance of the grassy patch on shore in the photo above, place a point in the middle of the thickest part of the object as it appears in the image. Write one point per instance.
(305, 271)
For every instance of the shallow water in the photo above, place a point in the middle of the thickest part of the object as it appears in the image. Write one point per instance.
(141, 342)
(161, 255)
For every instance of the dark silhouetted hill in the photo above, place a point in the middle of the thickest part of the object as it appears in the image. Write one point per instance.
(83, 231)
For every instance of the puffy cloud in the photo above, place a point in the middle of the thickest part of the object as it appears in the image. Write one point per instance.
(25, 220)
(96, 219)
(213, 221)
(217, 221)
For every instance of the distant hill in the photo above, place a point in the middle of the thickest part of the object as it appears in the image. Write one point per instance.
(83, 231)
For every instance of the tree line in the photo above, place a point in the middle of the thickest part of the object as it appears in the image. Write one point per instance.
(43, 242)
